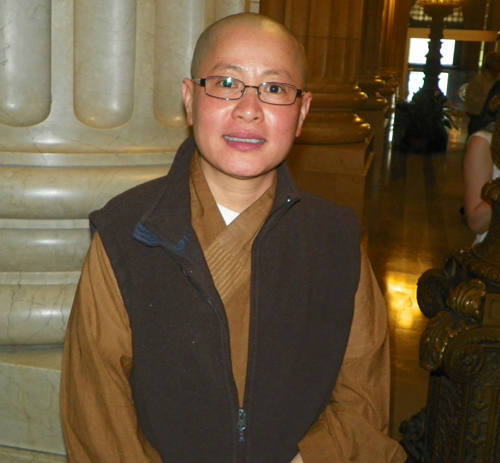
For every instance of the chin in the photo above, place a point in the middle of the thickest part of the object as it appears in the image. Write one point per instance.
(245, 175)
(247, 172)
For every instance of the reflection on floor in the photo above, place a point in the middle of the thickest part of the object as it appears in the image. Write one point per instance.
(412, 223)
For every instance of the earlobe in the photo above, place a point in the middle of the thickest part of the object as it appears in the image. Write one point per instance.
(304, 109)
(187, 97)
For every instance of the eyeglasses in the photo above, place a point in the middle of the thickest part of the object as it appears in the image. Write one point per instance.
(228, 88)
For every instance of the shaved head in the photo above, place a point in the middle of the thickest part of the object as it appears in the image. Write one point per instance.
(492, 60)
(208, 39)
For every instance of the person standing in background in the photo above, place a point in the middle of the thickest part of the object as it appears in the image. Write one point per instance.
(480, 165)
(479, 87)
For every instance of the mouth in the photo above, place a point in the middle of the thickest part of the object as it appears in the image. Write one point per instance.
(253, 141)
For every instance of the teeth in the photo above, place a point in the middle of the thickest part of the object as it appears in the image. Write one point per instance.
(244, 140)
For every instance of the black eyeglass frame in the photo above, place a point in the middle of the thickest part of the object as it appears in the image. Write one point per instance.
(202, 83)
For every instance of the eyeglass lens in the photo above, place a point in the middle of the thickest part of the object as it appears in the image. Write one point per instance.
(232, 89)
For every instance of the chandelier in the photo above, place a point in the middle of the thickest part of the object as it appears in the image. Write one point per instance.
(448, 3)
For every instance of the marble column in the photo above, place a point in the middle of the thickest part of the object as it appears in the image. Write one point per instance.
(394, 40)
(333, 154)
(389, 74)
(90, 105)
(376, 111)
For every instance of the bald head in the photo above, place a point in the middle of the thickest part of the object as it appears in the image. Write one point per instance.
(208, 39)
(492, 61)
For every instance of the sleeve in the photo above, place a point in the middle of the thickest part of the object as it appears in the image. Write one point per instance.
(98, 416)
(354, 425)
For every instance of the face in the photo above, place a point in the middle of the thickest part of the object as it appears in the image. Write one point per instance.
(246, 138)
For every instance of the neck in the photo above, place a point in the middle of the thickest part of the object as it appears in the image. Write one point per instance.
(236, 194)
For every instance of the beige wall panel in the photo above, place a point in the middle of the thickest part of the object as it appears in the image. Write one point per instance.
(276, 9)
(322, 51)
(30, 418)
(62, 132)
(226, 7)
(34, 314)
(177, 27)
(217, 9)
(79, 160)
(43, 250)
(104, 60)
(25, 57)
(22, 456)
(32, 193)
(330, 47)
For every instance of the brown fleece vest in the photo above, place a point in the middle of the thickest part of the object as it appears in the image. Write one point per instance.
(304, 275)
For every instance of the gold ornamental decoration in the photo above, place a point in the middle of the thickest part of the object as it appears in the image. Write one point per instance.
(460, 347)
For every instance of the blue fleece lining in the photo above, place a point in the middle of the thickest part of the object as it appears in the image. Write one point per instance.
(144, 236)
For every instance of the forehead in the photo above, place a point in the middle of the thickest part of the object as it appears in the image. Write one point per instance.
(254, 50)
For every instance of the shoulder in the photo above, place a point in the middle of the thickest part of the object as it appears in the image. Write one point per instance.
(329, 226)
(141, 198)
(327, 211)
(132, 203)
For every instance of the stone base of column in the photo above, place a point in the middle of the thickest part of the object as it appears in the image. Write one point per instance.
(334, 172)
(44, 232)
(389, 93)
(9, 455)
(379, 122)
(30, 426)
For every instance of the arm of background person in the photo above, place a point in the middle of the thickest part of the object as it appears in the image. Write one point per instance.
(98, 414)
(478, 169)
(354, 426)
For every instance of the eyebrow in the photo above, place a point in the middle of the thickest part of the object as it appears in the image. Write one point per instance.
(223, 67)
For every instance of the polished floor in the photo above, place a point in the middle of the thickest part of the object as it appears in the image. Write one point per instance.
(412, 223)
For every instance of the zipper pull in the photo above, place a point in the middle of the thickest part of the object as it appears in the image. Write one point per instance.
(242, 416)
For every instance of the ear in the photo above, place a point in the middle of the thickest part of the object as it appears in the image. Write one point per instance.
(187, 98)
(304, 109)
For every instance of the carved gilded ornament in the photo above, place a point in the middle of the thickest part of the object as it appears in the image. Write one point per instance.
(433, 288)
(461, 347)
(467, 298)
(438, 335)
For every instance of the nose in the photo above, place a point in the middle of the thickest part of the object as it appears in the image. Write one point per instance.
(249, 107)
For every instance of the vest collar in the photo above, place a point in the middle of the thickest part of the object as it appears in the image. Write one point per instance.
(168, 220)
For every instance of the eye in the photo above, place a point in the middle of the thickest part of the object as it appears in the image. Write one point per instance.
(226, 82)
(275, 88)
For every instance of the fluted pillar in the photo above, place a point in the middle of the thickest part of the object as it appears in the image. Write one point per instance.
(332, 155)
(90, 105)
(394, 35)
(376, 111)
(369, 79)
(331, 34)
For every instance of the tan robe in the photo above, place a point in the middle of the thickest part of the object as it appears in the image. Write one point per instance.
(227, 250)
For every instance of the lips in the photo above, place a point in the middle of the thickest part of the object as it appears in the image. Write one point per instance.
(254, 141)
(250, 138)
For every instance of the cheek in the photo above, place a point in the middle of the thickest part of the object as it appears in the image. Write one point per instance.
(284, 123)
(209, 115)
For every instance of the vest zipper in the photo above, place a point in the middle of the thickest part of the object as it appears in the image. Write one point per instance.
(242, 425)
